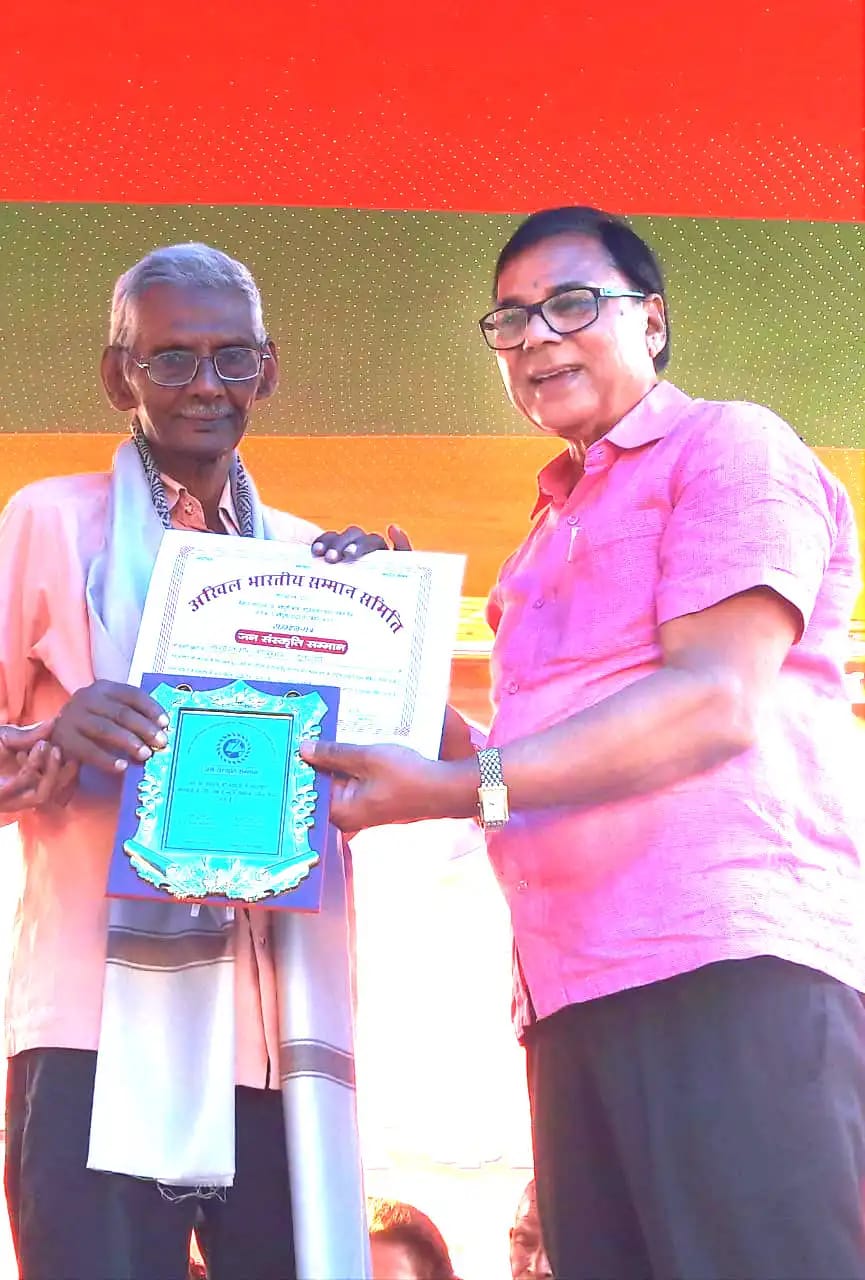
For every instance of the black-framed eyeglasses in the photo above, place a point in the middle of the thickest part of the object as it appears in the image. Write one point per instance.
(566, 311)
(178, 368)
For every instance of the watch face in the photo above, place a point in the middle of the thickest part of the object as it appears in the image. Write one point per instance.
(493, 806)
(498, 809)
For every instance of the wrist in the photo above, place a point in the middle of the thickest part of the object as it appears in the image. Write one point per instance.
(453, 792)
(493, 807)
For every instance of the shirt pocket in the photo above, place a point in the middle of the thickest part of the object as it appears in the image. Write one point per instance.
(602, 594)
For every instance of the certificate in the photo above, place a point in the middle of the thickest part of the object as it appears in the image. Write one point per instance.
(382, 630)
(228, 809)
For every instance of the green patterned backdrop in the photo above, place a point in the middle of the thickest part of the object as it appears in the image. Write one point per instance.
(375, 314)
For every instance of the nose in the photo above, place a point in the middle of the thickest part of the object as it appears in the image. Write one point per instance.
(538, 332)
(539, 1266)
(206, 381)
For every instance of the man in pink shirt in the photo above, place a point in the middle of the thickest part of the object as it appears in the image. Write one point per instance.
(188, 358)
(683, 853)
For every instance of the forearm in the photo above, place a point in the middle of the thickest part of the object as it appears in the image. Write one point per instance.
(666, 727)
(456, 741)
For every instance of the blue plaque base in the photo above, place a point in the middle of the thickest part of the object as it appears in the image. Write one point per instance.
(228, 811)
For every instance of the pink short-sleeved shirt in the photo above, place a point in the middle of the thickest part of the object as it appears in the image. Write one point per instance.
(683, 504)
(49, 534)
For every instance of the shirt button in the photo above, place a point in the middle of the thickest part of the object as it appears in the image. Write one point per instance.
(188, 508)
(539, 603)
(522, 885)
(262, 940)
(512, 686)
(573, 520)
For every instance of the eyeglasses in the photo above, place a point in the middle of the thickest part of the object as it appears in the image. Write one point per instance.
(178, 368)
(565, 312)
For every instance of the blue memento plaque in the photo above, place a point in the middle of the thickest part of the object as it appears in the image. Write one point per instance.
(227, 810)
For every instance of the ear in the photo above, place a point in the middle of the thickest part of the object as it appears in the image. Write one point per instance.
(656, 324)
(268, 379)
(117, 386)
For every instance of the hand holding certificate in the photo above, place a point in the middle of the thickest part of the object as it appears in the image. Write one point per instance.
(236, 637)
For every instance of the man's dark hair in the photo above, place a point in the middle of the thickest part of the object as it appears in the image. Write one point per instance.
(628, 252)
(405, 1225)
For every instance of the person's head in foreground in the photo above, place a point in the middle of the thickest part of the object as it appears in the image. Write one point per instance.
(579, 321)
(405, 1244)
(188, 354)
(528, 1257)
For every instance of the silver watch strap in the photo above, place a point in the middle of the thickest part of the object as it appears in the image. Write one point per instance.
(490, 767)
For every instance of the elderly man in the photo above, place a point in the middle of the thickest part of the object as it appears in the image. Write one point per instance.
(188, 359)
(683, 854)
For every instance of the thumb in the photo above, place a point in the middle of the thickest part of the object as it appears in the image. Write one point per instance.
(335, 757)
(399, 538)
(16, 739)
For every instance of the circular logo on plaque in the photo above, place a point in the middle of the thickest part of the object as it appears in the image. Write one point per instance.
(233, 748)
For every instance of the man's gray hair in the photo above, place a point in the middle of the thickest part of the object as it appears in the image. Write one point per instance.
(198, 265)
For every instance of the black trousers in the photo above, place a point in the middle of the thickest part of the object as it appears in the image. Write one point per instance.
(70, 1223)
(710, 1127)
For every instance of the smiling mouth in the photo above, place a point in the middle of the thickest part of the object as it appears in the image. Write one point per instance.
(548, 375)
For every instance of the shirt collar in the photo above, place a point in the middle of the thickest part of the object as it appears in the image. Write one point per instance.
(649, 420)
(175, 492)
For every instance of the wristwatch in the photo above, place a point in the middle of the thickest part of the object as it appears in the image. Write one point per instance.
(492, 793)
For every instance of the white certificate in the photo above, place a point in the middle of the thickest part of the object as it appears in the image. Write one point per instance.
(382, 630)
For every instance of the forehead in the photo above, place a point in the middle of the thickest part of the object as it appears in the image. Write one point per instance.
(190, 316)
(569, 258)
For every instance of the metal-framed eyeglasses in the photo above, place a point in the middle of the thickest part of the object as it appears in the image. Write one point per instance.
(179, 368)
(566, 311)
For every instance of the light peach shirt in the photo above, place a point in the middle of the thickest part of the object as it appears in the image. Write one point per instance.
(49, 534)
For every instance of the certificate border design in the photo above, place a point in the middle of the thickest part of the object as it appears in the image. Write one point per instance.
(164, 642)
(416, 655)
